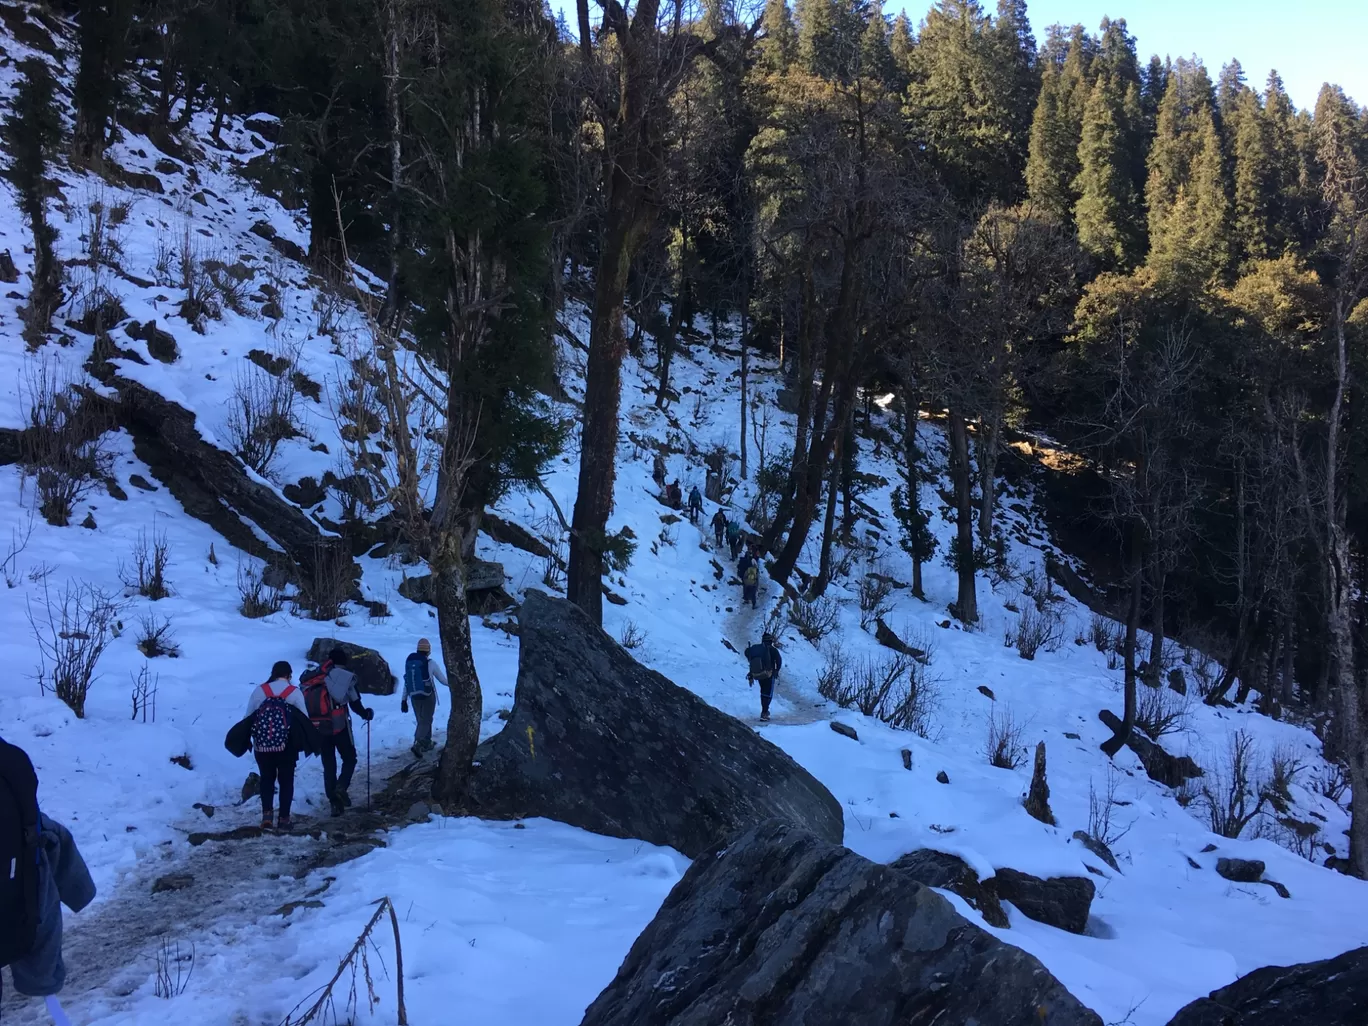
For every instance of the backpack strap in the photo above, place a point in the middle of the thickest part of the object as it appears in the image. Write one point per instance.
(266, 690)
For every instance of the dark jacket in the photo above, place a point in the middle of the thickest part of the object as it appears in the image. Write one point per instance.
(304, 737)
(63, 879)
(743, 564)
(756, 655)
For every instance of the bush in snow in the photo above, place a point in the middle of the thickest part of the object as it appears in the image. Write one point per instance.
(147, 574)
(815, 619)
(259, 596)
(632, 636)
(1160, 711)
(1101, 827)
(72, 630)
(1037, 627)
(262, 413)
(62, 445)
(325, 584)
(1230, 794)
(155, 637)
(145, 695)
(1004, 748)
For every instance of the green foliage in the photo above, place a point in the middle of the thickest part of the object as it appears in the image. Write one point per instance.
(914, 529)
(1108, 209)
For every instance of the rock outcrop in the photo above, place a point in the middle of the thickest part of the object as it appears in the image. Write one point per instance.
(1063, 902)
(779, 927)
(599, 741)
(1333, 992)
(373, 674)
(952, 873)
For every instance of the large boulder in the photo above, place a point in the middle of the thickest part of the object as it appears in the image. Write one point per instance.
(1063, 902)
(1333, 992)
(951, 873)
(373, 674)
(598, 741)
(778, 927)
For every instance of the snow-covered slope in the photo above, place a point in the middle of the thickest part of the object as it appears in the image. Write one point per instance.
(525, 925)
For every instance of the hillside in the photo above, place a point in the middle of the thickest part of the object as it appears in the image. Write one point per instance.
(526, 923)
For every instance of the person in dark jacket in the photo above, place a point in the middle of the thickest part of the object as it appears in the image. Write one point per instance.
(341, 685)
(62, 879)
(695, 504)
(749, 569)
(719, 526)
(734, 537)
(765, 663)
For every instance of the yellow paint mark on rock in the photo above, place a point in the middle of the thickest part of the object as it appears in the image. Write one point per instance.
(531, 746)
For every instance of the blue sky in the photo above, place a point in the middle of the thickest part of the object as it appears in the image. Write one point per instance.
(1308, 42)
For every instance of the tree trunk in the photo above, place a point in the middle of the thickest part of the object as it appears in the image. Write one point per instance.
(803, 368)
(745, 373)
(1118, 740)
(819, 586)
(911, 410)
(665, 344)
(389, 314)
(848, 454)
(1156, 652)
(990, 430)
(966, 602)
(463, 684)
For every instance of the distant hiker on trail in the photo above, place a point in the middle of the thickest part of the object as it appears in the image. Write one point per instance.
(749, 569)
(674, 495)
(42, 871)
(328, 692)
(658, 470)
(765, 663)
(419, 673)
(734, 537)
(695, 504)
(278, 729)
(720, 526)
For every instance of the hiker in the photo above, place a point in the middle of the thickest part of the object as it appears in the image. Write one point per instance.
(278, 729)
(674, 495)
(765, 663)
(695, 504)
(329, 691)
(749, 569)
(720, 527)
(658, 470)
(734, 537)
(419, 673)
(42, 871)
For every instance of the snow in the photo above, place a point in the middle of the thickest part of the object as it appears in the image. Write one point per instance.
(525, 925)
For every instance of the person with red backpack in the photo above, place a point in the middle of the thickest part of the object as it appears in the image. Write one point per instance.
(329, 691)
(43, 870)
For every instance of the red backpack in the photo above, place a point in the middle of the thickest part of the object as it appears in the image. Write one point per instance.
(327, 715)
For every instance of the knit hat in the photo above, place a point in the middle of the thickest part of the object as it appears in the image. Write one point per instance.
(424, 645)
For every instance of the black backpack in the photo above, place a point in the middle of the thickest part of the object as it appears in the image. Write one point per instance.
(18, 854)
(761, 662)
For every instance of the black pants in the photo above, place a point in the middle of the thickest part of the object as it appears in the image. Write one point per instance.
(276, 766)
(748, 592)
(717, 533)
(735, 548)
(333, 746)
(766, 694)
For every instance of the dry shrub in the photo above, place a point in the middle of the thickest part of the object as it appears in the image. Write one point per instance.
(73, 630)
(1004, 748)
(62, 445)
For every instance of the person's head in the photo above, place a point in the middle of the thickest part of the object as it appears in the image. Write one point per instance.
(767, 638)
(338, 657)
(424, 646)
(281, 671)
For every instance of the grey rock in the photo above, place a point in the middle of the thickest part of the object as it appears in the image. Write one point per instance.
(509, 533)
(1240, 870)
(419, 811)
(1061, 901)
(1097, 847)
(601, 742)
(943, 777)
(172, 882)
(779, 928)
(906, 754)
(845, 730)
(1038, 797)
(886, 637)
(1169, 770)
(952, 873)
(373, 674)
(251, 787)
(1333, 992)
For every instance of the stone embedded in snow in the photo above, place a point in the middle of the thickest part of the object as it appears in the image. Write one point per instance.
(952, 873)
(601, 742)
(1240, 870)
(845, 730)
(778, 927)
(373, 674)
(1169, 770)
(1333, 992)
(1061, 901)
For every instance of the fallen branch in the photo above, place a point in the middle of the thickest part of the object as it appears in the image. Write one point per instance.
(356, 959)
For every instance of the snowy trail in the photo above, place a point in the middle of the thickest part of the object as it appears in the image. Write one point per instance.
(235, 887)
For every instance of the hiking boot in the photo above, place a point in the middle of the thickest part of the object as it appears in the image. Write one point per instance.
(338, 808)
(284, 824)
(266, 821)
(429, 745)
(764, 716)
(344, 798)
(417, 749)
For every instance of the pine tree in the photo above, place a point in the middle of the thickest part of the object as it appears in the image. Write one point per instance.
(1288, 145)
(1255, 179)
(1108, 208)
(817, 36)
(901, 44)
(876, 56)
(1052, 165)
(103, 33)
(778, 46)
(1116, 54)
(32, 133)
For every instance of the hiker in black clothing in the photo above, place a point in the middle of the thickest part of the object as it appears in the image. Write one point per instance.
(419, 674)
(674, 495)
(658, 470)
(719, 526)
(695, 504)
(329, 691)
(734, 537)
(765, 663)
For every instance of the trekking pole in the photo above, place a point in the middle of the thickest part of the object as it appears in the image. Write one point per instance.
(368, 765)
(54, 1007)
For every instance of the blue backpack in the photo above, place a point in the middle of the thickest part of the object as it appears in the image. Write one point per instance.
(417, 677)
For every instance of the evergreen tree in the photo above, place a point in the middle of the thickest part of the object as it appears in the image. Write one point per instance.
(1052, 165)
(901, 44)
(818, 39)
(1108, 208)
(1116, 54)
(876, 56)
(1153, 87)
(778, 44)
(1188, 205)
(1016, 58)
(32, 133)
(1288, 145)
(103, 34)
(1255, 179)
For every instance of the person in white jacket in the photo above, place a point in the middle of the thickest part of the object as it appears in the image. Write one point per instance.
(276, 755)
